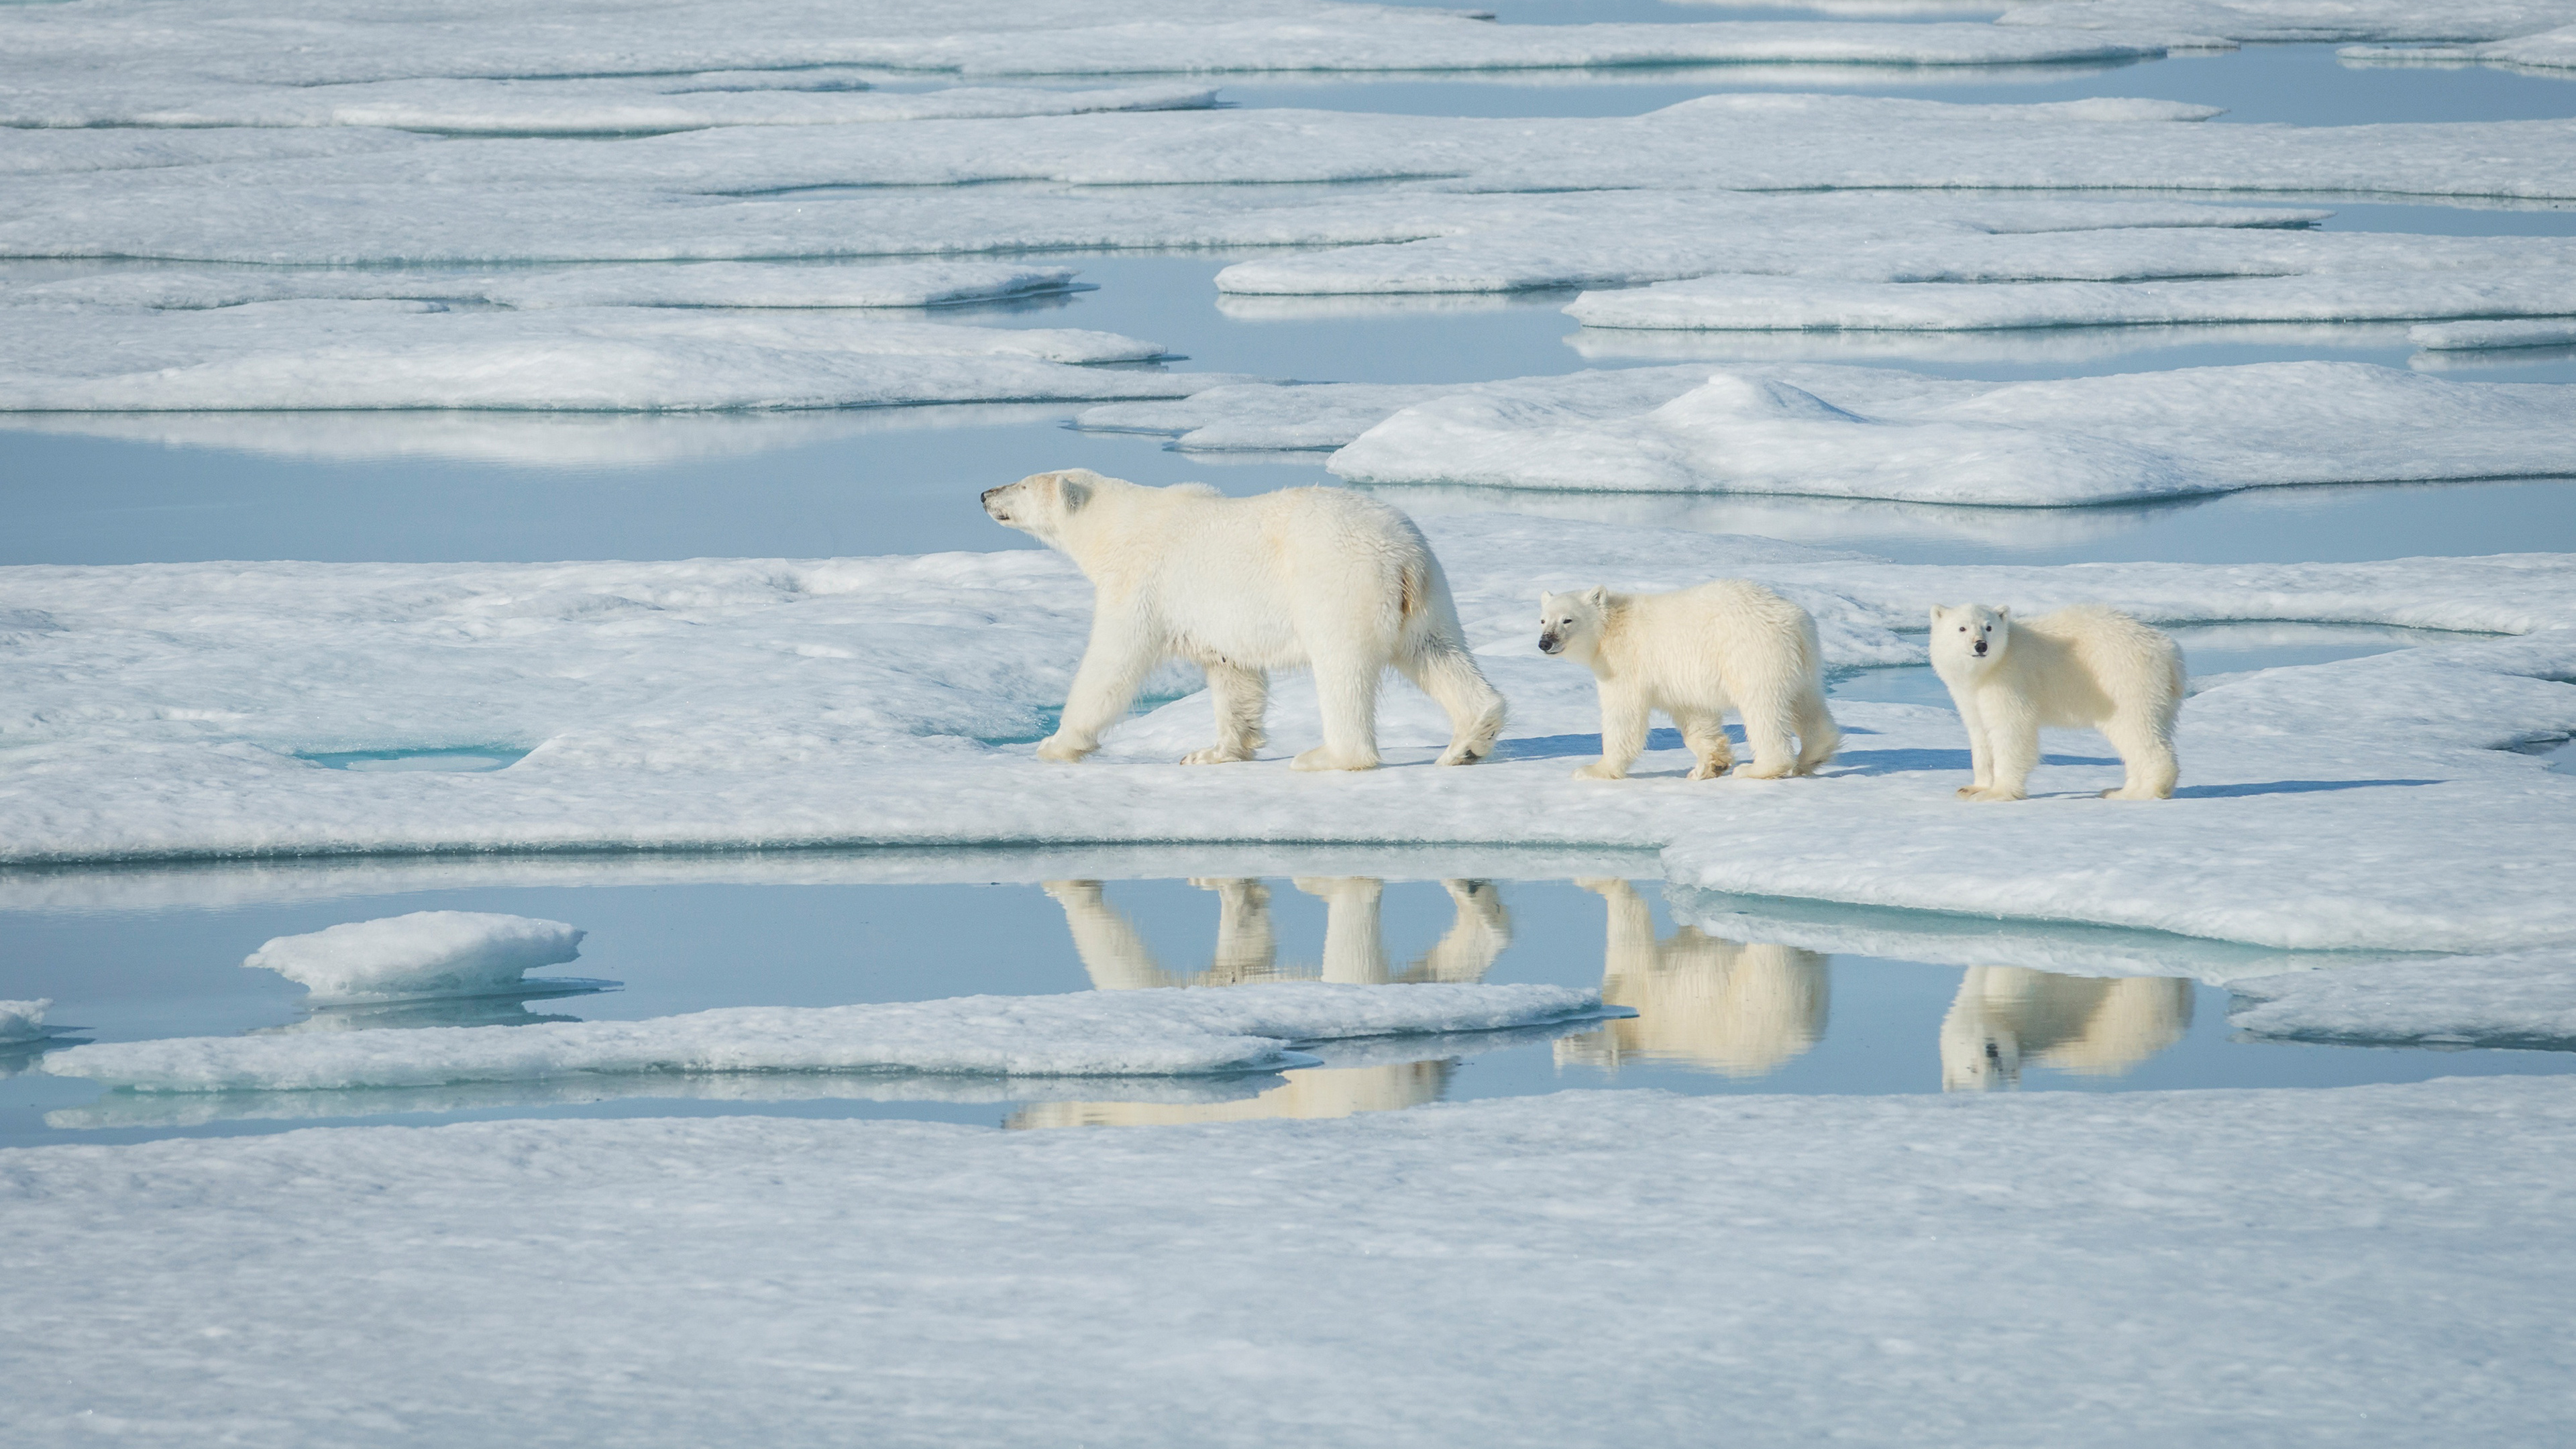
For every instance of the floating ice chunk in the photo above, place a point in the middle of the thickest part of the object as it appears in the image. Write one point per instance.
(2524, 1000)
(2478, 336)
(340, 354)
(423, 954)
(1874, 433)
(696, 284)
(23, 1021)
(2552, 50)
(1118, 1033)
(2278, 20)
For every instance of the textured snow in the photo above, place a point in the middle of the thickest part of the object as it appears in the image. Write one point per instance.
(423, 954)
(2476, 336)
(2552, 50)
(1854, 432)
(2280, 20)
(2357, 805)
(22, 1021)
(2525, 1000)
(700, 284)
(1171, 1031)
(406, 354)
(2384, 1263)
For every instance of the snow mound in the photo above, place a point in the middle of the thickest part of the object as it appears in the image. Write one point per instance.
(424, 954)
(23, 1021)
(1171, 1032)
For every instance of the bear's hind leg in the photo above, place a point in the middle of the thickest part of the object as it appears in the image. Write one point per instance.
(1706, 736)
(1241, 696)
(2146, 753)
(1346, 688)
(1818, 736)
(1448, 673)
(1770, 723)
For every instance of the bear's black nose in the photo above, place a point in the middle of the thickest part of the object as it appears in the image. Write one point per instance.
(1547, 644)
(987, 494)
(1981, 647)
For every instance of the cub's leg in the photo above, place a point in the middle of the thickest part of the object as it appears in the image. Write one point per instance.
(1241, 696)
(1346, 687)
(1981, 756)
(1818, 736)
(1114, 665)
(2012, 743)
(1354, 946)
(1448, 673)
(2146, 752)
(1624, 717)
(1770, 720)
(1705, 733)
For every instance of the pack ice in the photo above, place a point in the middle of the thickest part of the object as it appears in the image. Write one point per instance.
(1151, 1032)
(23, 1021)
(1852, 432)
(423, 954)
(164, 711)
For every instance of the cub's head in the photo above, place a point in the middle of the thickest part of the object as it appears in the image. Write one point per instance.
(1978, 1055)
(1039, 504)
(1970, 633)
(1571, 623)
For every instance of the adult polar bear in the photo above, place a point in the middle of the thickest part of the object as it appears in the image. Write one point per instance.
(1317, 577)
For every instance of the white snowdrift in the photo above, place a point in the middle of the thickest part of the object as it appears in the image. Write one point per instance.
(1852, 432)
(2525, 1000)
(1082, 1034)
(754, 703)
(387, 354)
(23, 1021)
(423, 954)
(2393, 1259)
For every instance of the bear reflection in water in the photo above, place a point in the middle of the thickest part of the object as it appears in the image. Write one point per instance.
(1701, 1001)
(2009, 1017)
(1114, 952)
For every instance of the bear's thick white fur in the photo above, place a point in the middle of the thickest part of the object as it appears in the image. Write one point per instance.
(2006, 1017)
(2082, 667)
(1319, 578)
(1694, 654)
(1740, 1009)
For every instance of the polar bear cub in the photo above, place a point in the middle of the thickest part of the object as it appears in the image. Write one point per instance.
(2082, 667)
(1315, 577)
(1694, 654)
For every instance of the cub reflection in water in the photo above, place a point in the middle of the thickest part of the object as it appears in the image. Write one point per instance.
(2008, 1017)
(1114, 952)
(1718, 1005)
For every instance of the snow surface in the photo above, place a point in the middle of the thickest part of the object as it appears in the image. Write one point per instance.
(2382, 1264)
(700, 284)
(2361, 805)
(2476, 336)
(22, 1021)
(2524, 1000)
(314, 354)
(1854, 432)
(2283, 20)
(423, 954)
(2553, 50)
(1169, 1031)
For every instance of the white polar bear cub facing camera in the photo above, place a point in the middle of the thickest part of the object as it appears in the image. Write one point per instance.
(1319, 578)
(1694, 654)
(2082, 667)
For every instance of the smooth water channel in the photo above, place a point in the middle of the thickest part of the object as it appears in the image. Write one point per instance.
(1724, 1003)
(131, 954)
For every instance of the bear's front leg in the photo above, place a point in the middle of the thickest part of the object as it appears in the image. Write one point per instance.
(1346, 692)
(1981, 757)
(1624, 717)
(2012, 749)
(1241, 697)
(1706, 736)
(1114, 665)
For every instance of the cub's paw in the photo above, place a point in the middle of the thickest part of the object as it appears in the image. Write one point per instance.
(2128, 794)
(1778, 771)
(1970, 792)
(1463, 754)
(1062, 750)
(1320, 758)
(1993, 793)
(1601, 770)
(1711, 769)
(1216, 755)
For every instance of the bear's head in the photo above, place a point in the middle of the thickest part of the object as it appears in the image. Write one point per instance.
(1039, 504)
(1570, 624)
(1969, 636)
(1978, 1054)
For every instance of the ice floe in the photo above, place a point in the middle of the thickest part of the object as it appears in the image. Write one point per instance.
(739, 703)
(2312, 20)
(2525, 1000)
(2395, 1257)
(2480, 336)
(423, 954)
(2548, 51)
(404, 354)
(1879, 433)
(23, 1021)
(1080, 1034)
(696, 284)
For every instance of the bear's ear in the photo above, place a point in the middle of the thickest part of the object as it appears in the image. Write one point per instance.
(1546, 601)
(1071, 491)
(1940, 613)
(2003, 611)
(1596, 596)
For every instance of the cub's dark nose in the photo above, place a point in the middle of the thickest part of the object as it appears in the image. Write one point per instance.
(1981, 648)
